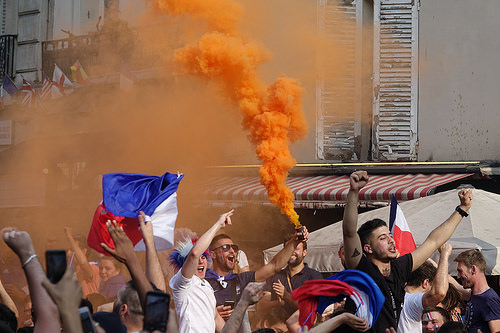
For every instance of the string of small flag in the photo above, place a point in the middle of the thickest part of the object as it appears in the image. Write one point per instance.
(59, 86)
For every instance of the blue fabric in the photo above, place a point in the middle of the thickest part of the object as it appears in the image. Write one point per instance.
(392, 215)
(210, 274)
(126, 194)
(9, 86)
(361, 281)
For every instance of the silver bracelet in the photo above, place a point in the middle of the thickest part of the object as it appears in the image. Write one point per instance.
(29, 259)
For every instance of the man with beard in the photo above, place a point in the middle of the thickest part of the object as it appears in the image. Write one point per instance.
(281, 284)
(228, 285)
(483, 304)
(371, 249)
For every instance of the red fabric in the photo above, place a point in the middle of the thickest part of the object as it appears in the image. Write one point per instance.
(307, 297)
(404, 240)
(99, 233)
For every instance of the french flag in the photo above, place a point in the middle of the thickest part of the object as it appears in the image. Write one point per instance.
(400, 230)
(124, 196)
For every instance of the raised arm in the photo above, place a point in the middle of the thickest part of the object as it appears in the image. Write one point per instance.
(191, 263)
(443, 232)
(153, 267)
(80, 257)
(281, 258)
(352, 244)
(124, 253)
(440, 283)
(45, 310)
(251, 295)
(67, 294)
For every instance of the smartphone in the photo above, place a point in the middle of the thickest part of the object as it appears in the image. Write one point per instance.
(86, 319)
(156, 312)
(56, 264)
(229, 303)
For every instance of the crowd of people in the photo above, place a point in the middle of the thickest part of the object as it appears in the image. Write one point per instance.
(213, 289)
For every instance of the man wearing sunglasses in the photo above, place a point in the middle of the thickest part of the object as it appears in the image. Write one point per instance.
(228, 285)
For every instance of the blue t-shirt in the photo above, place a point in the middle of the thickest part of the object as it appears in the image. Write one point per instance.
(481, 309)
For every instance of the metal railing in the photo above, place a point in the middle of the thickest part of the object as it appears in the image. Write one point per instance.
(7, 48)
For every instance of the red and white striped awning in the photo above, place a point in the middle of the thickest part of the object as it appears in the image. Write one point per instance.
(328, 191)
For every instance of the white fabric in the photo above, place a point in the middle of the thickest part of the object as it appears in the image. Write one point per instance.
(242, 259)
(163, 220)
(410, 319)
(194, 303)
(478, 230)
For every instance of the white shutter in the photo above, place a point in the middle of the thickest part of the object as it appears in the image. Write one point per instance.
(338, 85)
(395, 79)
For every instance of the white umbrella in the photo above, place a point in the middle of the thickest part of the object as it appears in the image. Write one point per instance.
(480, 230)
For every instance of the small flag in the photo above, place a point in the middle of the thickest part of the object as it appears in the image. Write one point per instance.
(124, 196)
(61, 85)
(46, 87)
(78, 74)
(31, 97)
(9, 86)
(400, 230)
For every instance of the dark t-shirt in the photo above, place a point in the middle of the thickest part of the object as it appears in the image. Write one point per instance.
(481, 309)
(296, 281)
(392, 287)
(232, 291)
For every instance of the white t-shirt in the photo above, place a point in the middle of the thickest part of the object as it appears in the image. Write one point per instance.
(410, 319)
(194, 303)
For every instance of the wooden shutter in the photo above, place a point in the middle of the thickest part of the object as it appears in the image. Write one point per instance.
(395, 80)
(338, 85)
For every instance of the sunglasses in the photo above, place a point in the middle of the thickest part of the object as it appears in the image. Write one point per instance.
(226, 247)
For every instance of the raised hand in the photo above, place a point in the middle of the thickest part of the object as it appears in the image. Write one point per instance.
(124, 249)
(279, 289)
(253, 292)
(445, 249)
(146, 227)
(358, 180)
(20, 242)
(465, 196)
(225, 219)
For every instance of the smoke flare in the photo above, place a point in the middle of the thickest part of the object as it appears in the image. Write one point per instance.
(272, 114)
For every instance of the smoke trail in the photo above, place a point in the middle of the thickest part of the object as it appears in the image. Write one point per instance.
(272, 114)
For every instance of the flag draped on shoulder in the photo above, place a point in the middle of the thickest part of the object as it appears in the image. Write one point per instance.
(400, 230)
(78, 74)
(31, 97)
(124, 196)
(61, 85)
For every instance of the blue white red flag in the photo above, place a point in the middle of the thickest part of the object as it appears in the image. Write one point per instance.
(367, 295)
(9, 86)
(400, 230)
(124, 196)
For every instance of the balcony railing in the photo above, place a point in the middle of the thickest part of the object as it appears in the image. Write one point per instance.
(102, 53)
(7, 47)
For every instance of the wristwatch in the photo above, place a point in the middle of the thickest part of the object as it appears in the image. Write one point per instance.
(461, 211)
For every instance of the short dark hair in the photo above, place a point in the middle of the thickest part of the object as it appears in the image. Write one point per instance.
(472, 257)
(452, 299)
(425, 271)
(217, 238)
(366, 229)
(445, 314)
(452, 327)
(128, 295)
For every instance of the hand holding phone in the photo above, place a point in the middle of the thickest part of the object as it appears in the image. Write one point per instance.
(229, 303)
(56, 264)
(156, 312)
(86, 319)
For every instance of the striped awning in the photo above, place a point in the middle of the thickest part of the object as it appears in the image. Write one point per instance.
(328, 191)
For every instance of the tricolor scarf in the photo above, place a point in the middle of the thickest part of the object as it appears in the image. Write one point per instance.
(221, 279)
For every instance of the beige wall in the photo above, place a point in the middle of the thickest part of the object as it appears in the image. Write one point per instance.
(459, 90)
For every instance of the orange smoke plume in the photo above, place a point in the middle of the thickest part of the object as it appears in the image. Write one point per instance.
(272, 114)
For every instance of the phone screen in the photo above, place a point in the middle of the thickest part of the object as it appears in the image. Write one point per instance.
(229, 303)
(156, 314)
(56, 264)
